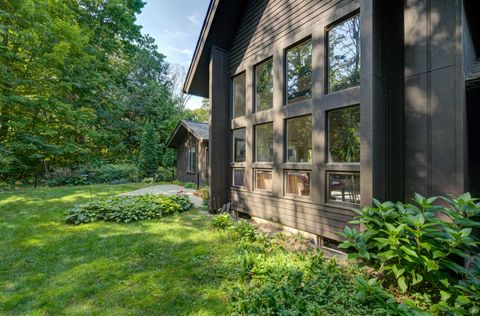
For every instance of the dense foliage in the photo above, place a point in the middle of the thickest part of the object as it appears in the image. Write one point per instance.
(285, 275)
(78, 82)
(128, 209)
(428, 250)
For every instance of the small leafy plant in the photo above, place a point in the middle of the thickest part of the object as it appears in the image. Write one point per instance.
(128, 209)
(190, 185)
(425, 248)
(222, 221)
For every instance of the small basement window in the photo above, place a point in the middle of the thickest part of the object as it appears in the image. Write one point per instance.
(299, 72)
(344, 188)
(299, 139)
(344, 54)
(264, 142)
(239, 145)
(344, 135)
(263, 180)
(298, 182)
(239, 90)
(264, 86)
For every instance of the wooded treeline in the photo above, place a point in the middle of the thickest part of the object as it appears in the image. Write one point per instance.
(79, 81)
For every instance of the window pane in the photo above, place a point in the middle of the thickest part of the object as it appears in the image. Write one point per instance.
(264, 86)
(344, 135)
(239, 177)
(263, 180)
(192, 159)
(299, 136)
(264, 142)
(344, 188)
(299, 72)
(298, 183)
(239, 84)
(344, 55)
(239, 145)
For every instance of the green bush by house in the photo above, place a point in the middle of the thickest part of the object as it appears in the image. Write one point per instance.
(428, 250)
(128, 209)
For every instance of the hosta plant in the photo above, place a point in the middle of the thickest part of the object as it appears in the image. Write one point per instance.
(128, 209)
(426, 247)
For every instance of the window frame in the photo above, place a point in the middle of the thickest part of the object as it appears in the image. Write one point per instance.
(192, 167)
(255, 188)
(255, 142)
(327, 137)
(234, 145)
(285, 184)
(285, 139)
(328, 201)
(326, 44)
(255, 81)
(244, 178)
(232, 93)
(285, 100)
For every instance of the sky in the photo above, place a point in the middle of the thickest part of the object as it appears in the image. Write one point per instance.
(175, 25)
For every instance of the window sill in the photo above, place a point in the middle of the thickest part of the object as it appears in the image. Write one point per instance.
(297, 166)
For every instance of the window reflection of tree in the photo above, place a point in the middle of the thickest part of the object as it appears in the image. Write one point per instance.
(264, 142)
(299, 72)
(344, 55)
(299, 134)
(264, 86)
(344, 135)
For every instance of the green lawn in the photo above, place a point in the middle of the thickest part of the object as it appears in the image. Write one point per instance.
(173, 266)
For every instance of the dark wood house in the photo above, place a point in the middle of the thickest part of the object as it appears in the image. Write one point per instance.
(318, 106)
(191, 141)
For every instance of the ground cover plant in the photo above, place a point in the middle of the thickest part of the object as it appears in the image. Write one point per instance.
(428, 250)
(286, 275)
(128, 209)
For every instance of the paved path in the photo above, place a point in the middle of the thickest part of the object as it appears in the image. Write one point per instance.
(167, 189)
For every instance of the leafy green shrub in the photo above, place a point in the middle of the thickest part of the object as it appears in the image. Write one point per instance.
(165, 174)
(222, 221)
(244, 230)
(128, 209)
(423, 248)
(114, 172)
(282, 283)
(190, 185)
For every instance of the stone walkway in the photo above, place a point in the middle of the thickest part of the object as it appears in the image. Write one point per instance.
(168, 189)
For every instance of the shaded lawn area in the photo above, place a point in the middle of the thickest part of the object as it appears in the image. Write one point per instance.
(173, 266)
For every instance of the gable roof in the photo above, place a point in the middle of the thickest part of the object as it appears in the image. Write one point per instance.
(217, 31)
(199, 130)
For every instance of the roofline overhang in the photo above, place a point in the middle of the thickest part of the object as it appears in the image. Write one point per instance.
(217, 31)
(207, 23)
(180, 124)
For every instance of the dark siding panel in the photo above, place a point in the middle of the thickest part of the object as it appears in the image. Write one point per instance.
(266, 22)
(321, 220)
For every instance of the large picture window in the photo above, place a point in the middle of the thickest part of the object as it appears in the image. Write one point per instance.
(344, 135)
(264, 142)
(239, 145)
(344, 54)
(263, 180)
(344, 188)
(299, 72)
(299, 139)
(298, 183)
(239, 90)
(264, 86)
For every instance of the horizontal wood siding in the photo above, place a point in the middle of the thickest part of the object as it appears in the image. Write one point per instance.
(321, 220)
(182, 160)
(267, 22)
